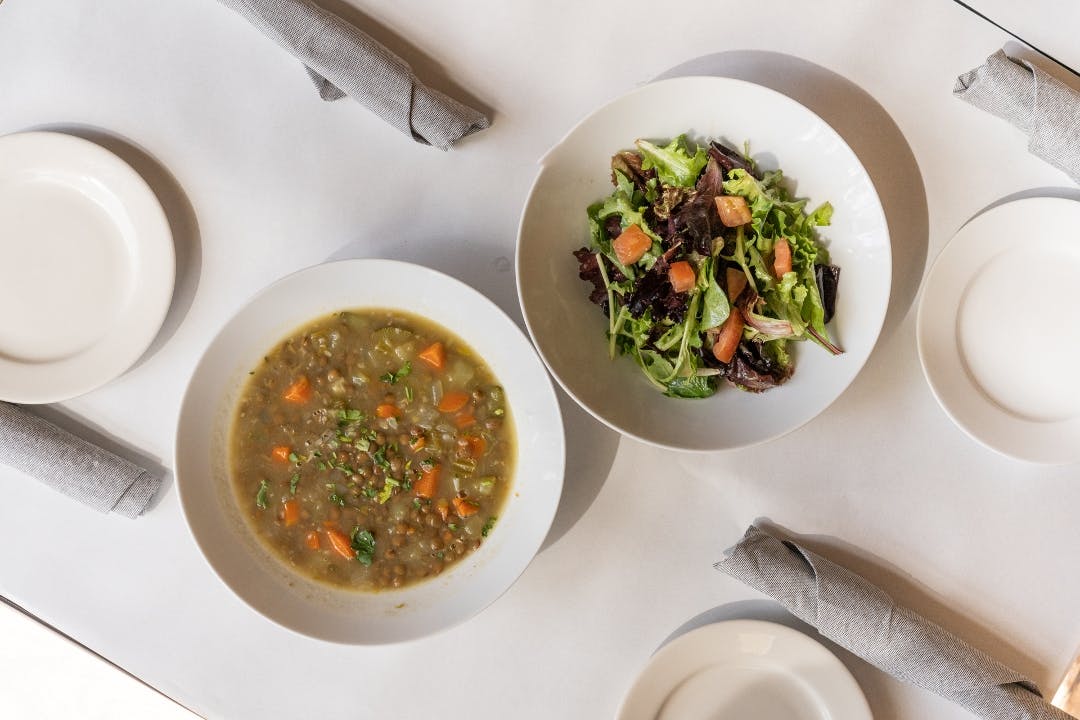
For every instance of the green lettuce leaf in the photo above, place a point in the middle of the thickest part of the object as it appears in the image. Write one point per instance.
(674, 164)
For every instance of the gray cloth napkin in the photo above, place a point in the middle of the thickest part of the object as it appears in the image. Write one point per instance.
(859, 616)
(343, 60)
(73, 466)
(1039, 104)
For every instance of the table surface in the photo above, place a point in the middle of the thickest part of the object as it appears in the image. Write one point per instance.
(260, 177)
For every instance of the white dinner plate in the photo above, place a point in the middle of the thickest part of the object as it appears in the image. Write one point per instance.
(570, 332)
(743, 670)
(997, 332)
(88, 266)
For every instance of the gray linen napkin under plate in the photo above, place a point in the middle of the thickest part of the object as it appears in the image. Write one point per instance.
(859, 616)
(72, 465)
(1042, 106)
(343, 60)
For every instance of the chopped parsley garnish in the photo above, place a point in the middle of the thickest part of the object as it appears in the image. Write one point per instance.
(343, 438)
(452, 526)
(260, 497)
(392, 378)
(406, 484)
(322, 465)
(408, 394)
(371, 492)
(363, 542)
(387, 490)
(416, 503)
(488, 525)
(294, 458)
(337, 499)
(379, 458)
(350, 415)
(294, 481)
(362, 444)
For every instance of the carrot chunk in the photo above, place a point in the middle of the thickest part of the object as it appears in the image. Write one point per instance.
(428, 484)
(736, 283)
(453, 401)
(733, 210)
(340, 542)
(281, 453)
(464, 508)
(681, 276)
(473, 446)
(312, 540)
(386, 410)
(728, 339)
(464, 420)
(418, 444)
(434, 355)
(299, 391)
(292, 512)
(781, 258)
(631, 245)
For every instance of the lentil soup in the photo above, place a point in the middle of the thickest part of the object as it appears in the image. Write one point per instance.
(371, 449)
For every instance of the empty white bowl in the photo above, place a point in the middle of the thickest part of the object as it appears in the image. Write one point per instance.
(569, 331)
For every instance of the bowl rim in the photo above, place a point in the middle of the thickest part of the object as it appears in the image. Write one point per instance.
(543, 166)
(557, 463)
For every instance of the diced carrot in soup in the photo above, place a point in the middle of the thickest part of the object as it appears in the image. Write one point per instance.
(299, 391)
(434, 355)
(453, 401)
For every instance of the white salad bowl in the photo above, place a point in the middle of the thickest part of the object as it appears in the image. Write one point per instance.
(331, 613)
(570, 332)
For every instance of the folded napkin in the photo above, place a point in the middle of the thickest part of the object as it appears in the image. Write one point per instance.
(1039, 104)
(343, 60)
(73, 466)
(859, 616)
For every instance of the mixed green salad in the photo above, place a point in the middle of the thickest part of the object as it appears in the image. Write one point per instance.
(707, 268)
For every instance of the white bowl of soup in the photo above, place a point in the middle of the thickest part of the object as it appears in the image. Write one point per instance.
(369, 452)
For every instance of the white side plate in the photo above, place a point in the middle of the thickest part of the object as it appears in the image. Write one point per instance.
(88, 266)
(997, 338)
(744, 669)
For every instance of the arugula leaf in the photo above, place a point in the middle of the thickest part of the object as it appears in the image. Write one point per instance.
(715, 307)
(363, 542)
(695, 386)
(674, 164)
(260, 497)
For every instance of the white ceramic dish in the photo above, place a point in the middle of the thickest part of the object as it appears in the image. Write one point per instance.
(569, 331)
(744, 669)
(331, 613)
(996, 337)
(88, 266)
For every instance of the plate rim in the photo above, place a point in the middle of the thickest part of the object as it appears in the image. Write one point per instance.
(726, 628)
(550, 152)
(923, 323)
(156, 242)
